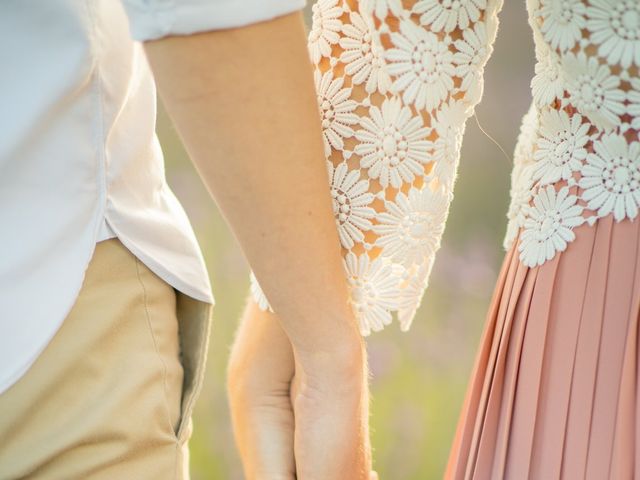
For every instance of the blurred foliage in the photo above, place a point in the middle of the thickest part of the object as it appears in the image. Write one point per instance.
(419, 377)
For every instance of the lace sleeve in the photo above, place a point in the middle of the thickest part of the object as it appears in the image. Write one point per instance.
(396, 82)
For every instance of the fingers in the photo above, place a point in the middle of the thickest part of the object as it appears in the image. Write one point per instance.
(259, 379)
(267, 382)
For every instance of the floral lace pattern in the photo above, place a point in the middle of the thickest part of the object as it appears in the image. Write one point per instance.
(578, 154)
(397, 80)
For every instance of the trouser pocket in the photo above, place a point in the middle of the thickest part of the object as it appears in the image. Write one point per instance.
(194, 324)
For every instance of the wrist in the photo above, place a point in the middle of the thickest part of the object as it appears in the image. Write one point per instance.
(341, 372)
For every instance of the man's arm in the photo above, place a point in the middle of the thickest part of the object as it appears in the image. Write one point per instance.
(244, 104)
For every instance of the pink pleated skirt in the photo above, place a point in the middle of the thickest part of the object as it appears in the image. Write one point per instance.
(554, 389)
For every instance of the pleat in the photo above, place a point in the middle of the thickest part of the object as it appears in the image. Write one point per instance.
(462, 445)
(636, 462)
(622, 458)
(490, 371)
(516, 342)
(558, 363)
(586, 357)
(618, 295)
(531, 362)
(584, 255)
(495, 401)
(554, 389)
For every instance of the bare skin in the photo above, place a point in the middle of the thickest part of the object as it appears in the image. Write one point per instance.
(263, 390)
(261, 370)
(244, 104)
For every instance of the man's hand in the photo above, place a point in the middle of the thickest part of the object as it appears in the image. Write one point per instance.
(260, 372)
(266, 385)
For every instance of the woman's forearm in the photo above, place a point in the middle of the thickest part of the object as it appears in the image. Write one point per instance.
(244, 104)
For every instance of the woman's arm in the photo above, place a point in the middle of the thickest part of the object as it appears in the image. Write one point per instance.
(244, 104)
(396, 82)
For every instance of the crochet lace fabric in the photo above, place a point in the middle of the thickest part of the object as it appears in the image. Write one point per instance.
(396, 82)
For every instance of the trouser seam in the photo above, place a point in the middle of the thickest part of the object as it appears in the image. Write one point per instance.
(155, 346)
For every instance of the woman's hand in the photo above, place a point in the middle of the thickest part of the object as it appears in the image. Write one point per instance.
(326, 394)
(331, 398)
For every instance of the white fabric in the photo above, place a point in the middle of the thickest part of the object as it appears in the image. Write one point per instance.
(396, 82)
(151, 19)
(105, 232)
(80, 161)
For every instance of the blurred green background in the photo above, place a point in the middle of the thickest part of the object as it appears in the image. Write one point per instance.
(419, 377)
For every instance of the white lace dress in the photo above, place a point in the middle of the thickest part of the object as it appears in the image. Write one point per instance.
(553, 393)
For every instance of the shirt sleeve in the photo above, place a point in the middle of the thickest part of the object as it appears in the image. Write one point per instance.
(396, 81)
(153, 19)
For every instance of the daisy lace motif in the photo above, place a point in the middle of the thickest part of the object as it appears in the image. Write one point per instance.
(586, 141)
(549, 225)
(396, 81)
(611, 177)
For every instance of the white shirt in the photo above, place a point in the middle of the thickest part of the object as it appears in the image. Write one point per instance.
(79, 157)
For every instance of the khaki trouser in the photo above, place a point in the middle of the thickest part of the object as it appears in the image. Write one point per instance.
(111, 396)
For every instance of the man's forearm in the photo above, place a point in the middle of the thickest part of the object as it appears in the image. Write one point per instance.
(244, 104)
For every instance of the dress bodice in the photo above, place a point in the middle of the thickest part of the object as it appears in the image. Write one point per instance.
(578, 156)
(397, 80)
